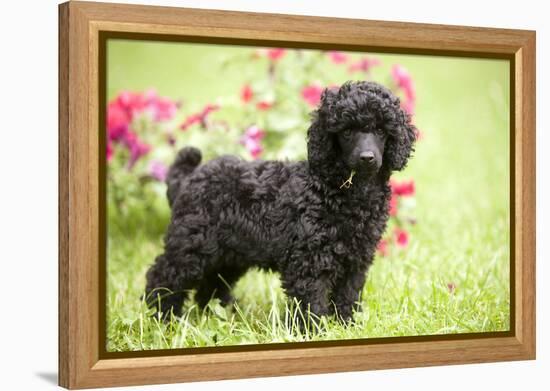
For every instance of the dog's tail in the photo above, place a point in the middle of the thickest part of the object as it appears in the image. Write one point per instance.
(186, 161)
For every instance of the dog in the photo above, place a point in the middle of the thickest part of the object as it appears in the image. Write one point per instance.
(316, 222)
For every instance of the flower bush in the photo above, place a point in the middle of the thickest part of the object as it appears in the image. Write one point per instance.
(266, 118)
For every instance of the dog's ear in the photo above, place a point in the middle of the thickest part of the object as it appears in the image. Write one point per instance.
(401, 139)
(320, 135)
(328, 99)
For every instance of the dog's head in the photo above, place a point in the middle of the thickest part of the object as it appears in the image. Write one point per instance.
(360, 127)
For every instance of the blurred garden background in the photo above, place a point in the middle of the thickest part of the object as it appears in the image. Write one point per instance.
(443, 265)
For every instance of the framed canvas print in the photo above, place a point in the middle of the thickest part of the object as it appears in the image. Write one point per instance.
(251, 195)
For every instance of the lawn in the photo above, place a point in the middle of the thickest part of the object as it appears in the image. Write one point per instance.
(453, 277)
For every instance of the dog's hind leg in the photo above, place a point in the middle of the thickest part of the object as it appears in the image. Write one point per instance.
(346, 295)
(169, 280)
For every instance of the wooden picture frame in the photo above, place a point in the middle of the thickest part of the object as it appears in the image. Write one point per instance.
(82, 363)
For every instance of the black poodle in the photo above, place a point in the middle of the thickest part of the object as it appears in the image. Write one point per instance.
(316, 222)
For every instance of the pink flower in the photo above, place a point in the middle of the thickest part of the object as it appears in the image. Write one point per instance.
(393, 205)
(401, 237)
(254, 133)
(404, 82)
(246, 93)
(364, 64)
(451, 287)
(122, 110)
(337, 57)
(401, 77)
(275, 54)
(408, 106)
(163, 109)
(264, 105)
(137, 150)
(312, 94)
(383, 247)
(160, 108)
(136, 147)
(199, 118)
(254, 147)
(131, 102)
(403, 189)
(251, 140)
(158, 170)
(109, 150)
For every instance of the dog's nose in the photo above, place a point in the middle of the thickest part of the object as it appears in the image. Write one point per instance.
(367, 157)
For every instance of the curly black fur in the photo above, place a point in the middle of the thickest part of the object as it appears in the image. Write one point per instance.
(229, 215)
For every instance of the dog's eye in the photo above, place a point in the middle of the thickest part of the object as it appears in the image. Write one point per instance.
(380, 132)
(346, 133)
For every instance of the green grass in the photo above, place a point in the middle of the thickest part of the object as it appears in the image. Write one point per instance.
(461, 239)
(405, 295)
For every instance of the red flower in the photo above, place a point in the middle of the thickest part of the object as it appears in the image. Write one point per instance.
(118, 121)
(264, 105)
(337, 57)
(403, 189)
(401, 237)
(393, 205)
(383, 247)
(312, 94)
(275, 54)
(199, 118)
(209, 108)
(190, 120)
(364, 64)
(246, 93)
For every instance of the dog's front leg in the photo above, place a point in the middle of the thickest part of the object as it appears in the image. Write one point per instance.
(311, 292)
(347, 294)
